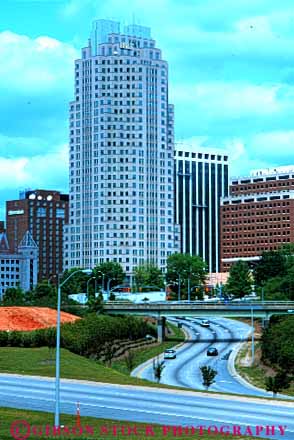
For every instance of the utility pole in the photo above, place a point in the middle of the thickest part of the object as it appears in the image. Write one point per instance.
(252, 338)
(108, 287)
(189, 292)
(57, 356)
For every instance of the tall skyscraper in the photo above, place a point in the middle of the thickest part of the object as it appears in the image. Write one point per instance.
(121, 152)
(201, 179)
(43, 213)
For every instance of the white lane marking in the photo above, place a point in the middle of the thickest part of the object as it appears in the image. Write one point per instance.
(158, 413)
(246, 415)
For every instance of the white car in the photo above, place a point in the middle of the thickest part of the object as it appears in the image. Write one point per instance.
(170, 354)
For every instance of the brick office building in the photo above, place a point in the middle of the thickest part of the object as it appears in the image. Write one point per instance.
(43, 213)
(258, 215)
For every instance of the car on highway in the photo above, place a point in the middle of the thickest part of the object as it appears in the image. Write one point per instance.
(204, 323)
(170, 354)
(212, 351)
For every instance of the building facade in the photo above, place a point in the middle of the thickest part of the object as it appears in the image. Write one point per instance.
(18, 268)
(121, 152)
(43, 213)
(201, 179)
(258, 215)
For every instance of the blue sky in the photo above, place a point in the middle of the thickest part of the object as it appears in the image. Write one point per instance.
(231, 69)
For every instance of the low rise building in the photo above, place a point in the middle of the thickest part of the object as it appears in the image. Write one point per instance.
(18, 268)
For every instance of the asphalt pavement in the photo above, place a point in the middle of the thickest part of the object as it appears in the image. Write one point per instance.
(184, 371)
(143, 404)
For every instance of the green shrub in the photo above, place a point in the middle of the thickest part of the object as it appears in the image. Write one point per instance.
(15, 339)
(3, 338)
(85, 336)
(26, 339)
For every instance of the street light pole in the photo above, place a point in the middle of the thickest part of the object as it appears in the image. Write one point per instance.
(92, 278)
(102, 286)
(220, 290)
(57, 360)
(179, 287)
(108, 287)
(252, 338)
(189, 292)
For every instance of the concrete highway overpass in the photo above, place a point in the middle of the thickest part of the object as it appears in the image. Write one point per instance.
(203, 309)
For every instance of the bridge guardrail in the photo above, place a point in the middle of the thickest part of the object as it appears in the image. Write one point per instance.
(243, 303)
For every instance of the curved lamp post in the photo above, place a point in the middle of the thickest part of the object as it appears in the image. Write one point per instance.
(102, 285)
(108, 287)
(57, 367)
(92, 278)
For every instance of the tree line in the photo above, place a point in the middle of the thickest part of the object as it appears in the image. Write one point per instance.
(183, 270)
(272, 277)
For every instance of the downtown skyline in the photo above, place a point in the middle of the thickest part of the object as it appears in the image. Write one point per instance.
(231, 81)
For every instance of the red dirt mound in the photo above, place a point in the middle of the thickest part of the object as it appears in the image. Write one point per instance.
(31, 318)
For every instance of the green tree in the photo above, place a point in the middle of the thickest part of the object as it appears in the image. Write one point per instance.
(148, 274)
(277, 383)
(14, 296)
(95, 304)
(158, 367)
(110, 270)
(287, 250)
(271, 264)
(44, 294)
(274, 290)
(281, 288)
(130, 360)
(277, 343)
(76, 284)
(208, 375)
(239, 281)
(186, 267)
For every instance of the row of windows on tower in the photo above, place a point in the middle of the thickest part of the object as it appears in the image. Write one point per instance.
(256, 213)
(200, 155)
(101, 227)
(254, 226)
(111, 70)
(235, 246)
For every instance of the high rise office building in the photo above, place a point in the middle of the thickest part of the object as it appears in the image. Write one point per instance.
(258, 215)
(201, 179)
(121, 152)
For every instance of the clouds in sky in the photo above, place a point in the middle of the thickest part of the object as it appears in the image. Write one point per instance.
(231, 79)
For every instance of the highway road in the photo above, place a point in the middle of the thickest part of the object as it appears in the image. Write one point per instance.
(142, 404)
(184, 370)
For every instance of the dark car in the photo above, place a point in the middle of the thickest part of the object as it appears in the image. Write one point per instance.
(170, 354)
(212, 351)
(204, 323)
